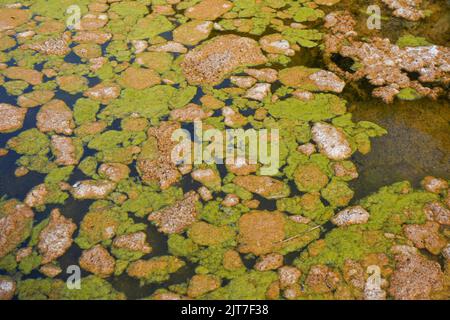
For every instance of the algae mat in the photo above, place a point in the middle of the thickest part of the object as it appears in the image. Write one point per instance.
(351, 202)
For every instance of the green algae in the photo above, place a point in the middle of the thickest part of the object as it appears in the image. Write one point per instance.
(85, 110)
(412, 41)
(321, 107)
(155, 270)
(30, 142)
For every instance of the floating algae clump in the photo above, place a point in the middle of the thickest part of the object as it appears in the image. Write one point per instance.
(91, 139)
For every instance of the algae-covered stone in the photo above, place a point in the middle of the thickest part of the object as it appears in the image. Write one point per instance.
(139, 78)
(310, 177)
(206, 234)
(266, 187)
(156, 269)
(208, 177)
(11, 18)
(98, 261)
(178, 217)
(56, 238)
(260, 232)
(55, 116)
(11, 118)
(114, 171)
(201, 284)
(192, 32)
(337, 193)
(16, 221)
(135, 242)
(211, 62)
(208, 9)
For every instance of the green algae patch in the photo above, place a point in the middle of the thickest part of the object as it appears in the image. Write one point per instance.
(85, 110)
(156, 269)
(149, 103)
(408, 94)
(321, 107)
(92, 288)
(337, 193)
(252, 285)
(412, 41)
(30, 142)
(149, 27)
(206, 234)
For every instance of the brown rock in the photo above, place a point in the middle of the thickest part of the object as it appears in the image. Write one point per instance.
(269, 261)
(64, 150)
(50, 270)
(179, 216)
(139, 78)
(134, 242)
(103, 92)
(114, 171)
(7, 286)
(435, 211)
(92, 189)
(288, 276)
(260, 232)
(191, 112)
(425, 236)
(11, 118)
(208, 9)
(267, 187)
(435, 185)
(331, 141)
(211, 62)
(322, 279)
(351, 215)
(98, 261)
(56, 238)
(201, 284)
(55, 116)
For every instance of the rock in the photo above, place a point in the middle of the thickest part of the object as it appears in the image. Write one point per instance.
(407, 9)
(15, 225)
(10, 18)
(264, 74)
(56, 238)
(273, 292)
(233, 118)
(435, 211)
(64, 150)
(169, 46)
(288, 276)
(114, 171)
(201, 284)
(55, 116)
(208, 9)
(51, 47)
(205, 193)
(446, 252)
(97, 37)
(50, 270)
(425, 236)
(139, 46)
(258, 92)
(158, 166)
(11, 118)
(37, 196)
(276, 44)
(415, 277)
(72, 83)
(322, 279)
(156, 269)
(434, 185)
(327, 81)
(192, 32)
(331, 141)
(92, 189)
(309, 177)
(264, 186)
(98, 261)
(21, 171)
(191, 112)
(30, 76)
(208, 177)
(209, 63)
(307, 149)
(232, 260)
(354, 274)
(351, 215)
(139, 78)
(241, 167)
(242, 81)
(270, 261)
(260, 232)
(179, 216)
(7, 285)
(345, 170)
(104, 93)
(230, 200)
(133, 242)
(23, 253)
(35, 98)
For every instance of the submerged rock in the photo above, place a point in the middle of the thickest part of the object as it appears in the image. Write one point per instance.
(98, 261)
(425, 236)
(264, 186)
(55, 116)
(11, 118)
(415, 277)
(178, 217)
(208, 9)
(56, 238)
(260, 232)
(16, 221)
(211, 62)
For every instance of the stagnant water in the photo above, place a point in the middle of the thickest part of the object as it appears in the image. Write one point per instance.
(417, 144)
